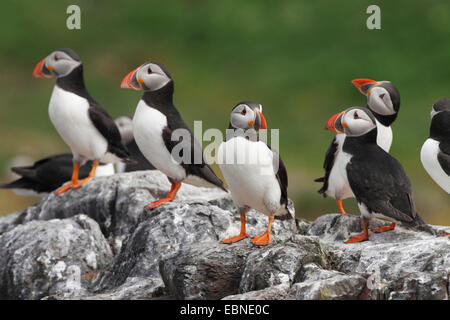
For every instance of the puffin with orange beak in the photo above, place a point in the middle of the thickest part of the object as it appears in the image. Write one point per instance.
(158, 129)
(383, 100)
(255, 174)
(378, 181)
(80, 120)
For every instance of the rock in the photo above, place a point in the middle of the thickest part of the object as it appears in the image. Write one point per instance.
(318, 284)
(43, 258)
(183, 234)
(279, 292)
(396, 263)
(279, 263)
(98, 242)
(205, 271)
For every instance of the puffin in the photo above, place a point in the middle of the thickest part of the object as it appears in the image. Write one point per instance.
(383, 100)
(161, 134)
(80, 120)
(137, 160)
(378, 181)
(48, 174)
(255, 174)
(435, 152)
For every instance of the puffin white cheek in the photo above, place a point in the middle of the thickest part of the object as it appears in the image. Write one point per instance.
(380, 105)
(155, 81)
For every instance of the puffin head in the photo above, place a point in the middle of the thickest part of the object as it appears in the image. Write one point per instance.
(382, 96)
(150, 76)
(125, 126)
(442, 104)
(247, 115)
(57, 64)
(354, 122)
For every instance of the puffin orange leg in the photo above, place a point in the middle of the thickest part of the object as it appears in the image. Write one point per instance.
(264, 239)
(444, 235)
(360, 237)
(76, 169)
(341, 207)
(384, 228)
(173, 191)
(239, 237)
(88, 178)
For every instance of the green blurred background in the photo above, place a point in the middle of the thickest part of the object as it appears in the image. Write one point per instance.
(296, 58)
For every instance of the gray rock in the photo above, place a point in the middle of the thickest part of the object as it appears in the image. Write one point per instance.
(279, 263)
(279, 292)
(175, 230)
(392, 261)
(174, 252)
(205, 270)
(43, 258)
(316, 283)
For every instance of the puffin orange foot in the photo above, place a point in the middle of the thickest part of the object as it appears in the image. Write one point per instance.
(358, 238)
(81, 182)
(341, 207)
(154, 204)
(444, 235)
(235, 238)
(63, 189)
(261, 240)
(384, 228)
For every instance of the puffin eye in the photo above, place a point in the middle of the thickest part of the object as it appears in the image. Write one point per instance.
(149, 70)
(56, 58)
(244, 111)
(355, 115)
(382, 96)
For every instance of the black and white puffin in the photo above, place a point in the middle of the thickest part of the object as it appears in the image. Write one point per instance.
(137, 160)
(435, 153)
(80, 120)
(378, 181)
(50, 173)
(383, 99)
(156, 123)
(255, 174)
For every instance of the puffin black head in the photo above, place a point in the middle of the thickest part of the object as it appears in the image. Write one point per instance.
(57, 64)
(443, 104)
(383, 98)
(247, 115)
(354, 122)
(150, 76)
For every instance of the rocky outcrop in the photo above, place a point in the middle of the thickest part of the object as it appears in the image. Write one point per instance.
(98, 242)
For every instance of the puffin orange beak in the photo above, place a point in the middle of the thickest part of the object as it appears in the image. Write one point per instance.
(37, 73)
(364, 85)
(263, 122)
(130, 78)
(331, 124)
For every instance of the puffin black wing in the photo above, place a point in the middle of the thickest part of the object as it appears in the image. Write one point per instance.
(108, 128)
(194, 163)
(379, 181)
(282, 179)
(330, 156)
(140, 162)
(444, 161)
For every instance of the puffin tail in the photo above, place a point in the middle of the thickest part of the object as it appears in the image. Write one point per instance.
(419, 225)
(289, 211)
(324, 188)
(206, 173)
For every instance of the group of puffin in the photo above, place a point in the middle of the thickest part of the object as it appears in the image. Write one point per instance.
(357, 163)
